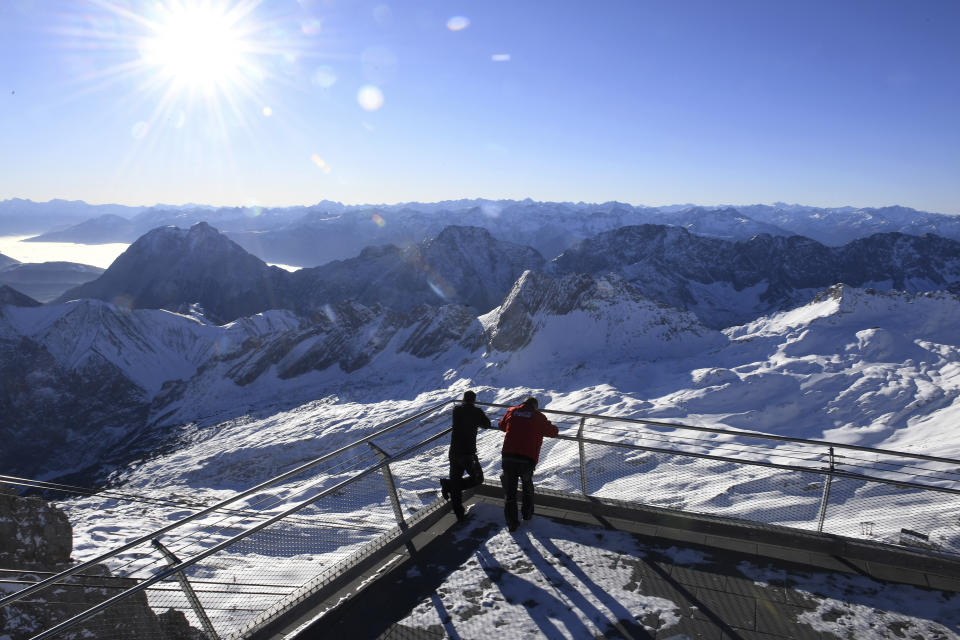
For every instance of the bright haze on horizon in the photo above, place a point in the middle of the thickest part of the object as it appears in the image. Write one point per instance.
(282, 102)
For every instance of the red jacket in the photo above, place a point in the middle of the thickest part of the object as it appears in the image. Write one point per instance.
(525, 429)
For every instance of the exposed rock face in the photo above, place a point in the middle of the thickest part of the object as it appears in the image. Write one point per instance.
(349, 335)
(55, 417)
(692, 272)
(37, 537)
(580, 317)
(33, 533)
(462, 265)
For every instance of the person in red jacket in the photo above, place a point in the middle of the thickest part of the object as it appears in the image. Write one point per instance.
(525, 429)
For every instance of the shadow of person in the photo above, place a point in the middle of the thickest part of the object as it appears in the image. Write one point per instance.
(554, 617)
(616, 619)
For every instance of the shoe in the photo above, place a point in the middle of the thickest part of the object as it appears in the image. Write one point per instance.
(460, 513)
(513, 526)
(445, 489)
(527, 516)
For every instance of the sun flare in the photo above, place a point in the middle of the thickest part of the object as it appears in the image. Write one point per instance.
(198, 46)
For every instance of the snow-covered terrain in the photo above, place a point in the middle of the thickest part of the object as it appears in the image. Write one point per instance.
(821, 371)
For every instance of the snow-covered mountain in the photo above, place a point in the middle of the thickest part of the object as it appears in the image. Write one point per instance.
(823, 370)
(728, 283)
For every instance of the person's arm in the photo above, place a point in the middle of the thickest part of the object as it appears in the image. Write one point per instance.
(502, 424)
(547, 428)
(484, 419)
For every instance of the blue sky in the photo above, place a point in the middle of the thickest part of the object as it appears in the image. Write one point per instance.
(823, 103)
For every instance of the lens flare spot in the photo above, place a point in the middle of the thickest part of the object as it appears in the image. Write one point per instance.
(458, 23)
(383, 14)
(436, 289)
(490, 209)
(321, 163)
(311, 27)
(370, 97)
(267, 112)
(123, 303)
(324, 77)
(378, 220)
(500, 57)
(328, 311)
(139, 130)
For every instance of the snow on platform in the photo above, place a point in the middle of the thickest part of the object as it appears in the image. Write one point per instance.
(561, 579)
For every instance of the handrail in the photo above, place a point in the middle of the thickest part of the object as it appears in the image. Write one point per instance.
(736, 432)
(43, 584)
(183, 564)
(761, 463)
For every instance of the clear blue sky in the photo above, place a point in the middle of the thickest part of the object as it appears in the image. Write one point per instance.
(825, 103)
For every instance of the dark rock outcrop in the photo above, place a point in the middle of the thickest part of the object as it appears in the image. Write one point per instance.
(169, 268)
(36, 539)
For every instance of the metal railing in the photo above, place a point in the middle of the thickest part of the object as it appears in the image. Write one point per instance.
(230, 568)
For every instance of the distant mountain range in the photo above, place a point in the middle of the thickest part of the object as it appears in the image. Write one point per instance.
(171, 268)
(317, 234)
(723, 282)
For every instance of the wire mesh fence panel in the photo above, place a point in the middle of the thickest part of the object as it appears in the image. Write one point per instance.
(892, 514)
(417, 475)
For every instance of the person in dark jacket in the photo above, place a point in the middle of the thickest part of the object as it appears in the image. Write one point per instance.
(467, 418)
(525, 429)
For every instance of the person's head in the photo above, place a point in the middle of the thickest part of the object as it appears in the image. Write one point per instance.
(469, 397)
(531, 403)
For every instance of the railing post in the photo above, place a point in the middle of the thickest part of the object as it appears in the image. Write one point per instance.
(825, 498)
(188, 591)
(391, 487)
(583, 459)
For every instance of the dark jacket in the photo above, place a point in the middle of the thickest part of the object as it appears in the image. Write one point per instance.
(525, 429)
(467, 418)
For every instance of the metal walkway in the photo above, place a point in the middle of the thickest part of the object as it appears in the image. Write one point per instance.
(239, 568)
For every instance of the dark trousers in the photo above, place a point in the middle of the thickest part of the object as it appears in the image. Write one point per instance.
(516, 468)
(461, 463)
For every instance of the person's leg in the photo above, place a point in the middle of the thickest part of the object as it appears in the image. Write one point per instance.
(509, 479)
(526, 478)
(458, 464)
(447, 485)
(474, 472)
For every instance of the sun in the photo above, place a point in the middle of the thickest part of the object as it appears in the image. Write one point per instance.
(198, 45)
